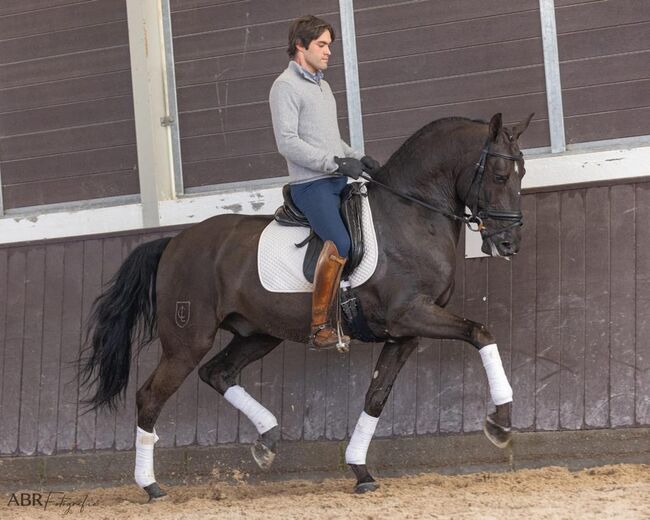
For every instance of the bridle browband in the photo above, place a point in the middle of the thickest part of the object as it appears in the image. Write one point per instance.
(473, 221)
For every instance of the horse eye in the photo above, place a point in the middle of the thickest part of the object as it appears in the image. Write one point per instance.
(501, 179)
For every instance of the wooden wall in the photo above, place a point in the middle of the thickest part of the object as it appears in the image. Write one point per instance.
(66, 106)
(571, 313)
(604, 50)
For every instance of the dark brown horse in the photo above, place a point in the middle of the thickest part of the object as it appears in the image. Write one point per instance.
(186, 288)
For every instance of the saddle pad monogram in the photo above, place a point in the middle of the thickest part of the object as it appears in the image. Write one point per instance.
(279, 261)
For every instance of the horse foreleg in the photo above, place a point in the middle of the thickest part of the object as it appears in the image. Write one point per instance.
(221, 374)
(391, 360)
(425, 319)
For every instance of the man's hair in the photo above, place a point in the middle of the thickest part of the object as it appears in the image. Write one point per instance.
(305, 30)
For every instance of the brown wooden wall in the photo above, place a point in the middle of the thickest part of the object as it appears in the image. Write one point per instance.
(66, 105)
(571, 313)
(420, 61)
(227, 56)
(604, 50)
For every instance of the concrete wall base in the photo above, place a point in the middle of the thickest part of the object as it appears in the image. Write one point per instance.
(445, 454)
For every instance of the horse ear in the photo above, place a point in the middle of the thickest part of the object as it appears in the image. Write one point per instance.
(496, 123)
(519, 128)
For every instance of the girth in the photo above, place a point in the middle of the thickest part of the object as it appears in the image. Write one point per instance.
(351, 213)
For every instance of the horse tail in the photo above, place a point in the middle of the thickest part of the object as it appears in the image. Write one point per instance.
(124, 314)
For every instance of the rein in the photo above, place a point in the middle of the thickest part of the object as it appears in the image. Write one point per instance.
(473, 221)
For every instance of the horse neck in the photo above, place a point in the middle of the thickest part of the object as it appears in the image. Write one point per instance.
(432, 178)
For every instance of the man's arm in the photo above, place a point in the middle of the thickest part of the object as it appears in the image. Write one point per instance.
(285, 111)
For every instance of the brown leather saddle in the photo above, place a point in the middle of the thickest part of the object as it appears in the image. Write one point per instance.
(351, 212)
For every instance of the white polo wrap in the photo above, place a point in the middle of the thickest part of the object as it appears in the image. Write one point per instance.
(500, 389)
(258, 415)
(361, 437)
(144, 443)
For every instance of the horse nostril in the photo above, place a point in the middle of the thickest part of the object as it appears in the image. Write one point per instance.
(506, 245)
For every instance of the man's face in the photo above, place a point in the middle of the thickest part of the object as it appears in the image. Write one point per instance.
(316, 56)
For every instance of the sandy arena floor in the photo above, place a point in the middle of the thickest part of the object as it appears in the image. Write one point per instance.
(612, 492)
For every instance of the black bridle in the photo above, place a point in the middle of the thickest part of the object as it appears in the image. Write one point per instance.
(473, 221)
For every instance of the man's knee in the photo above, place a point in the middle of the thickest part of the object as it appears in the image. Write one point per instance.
(343, 245)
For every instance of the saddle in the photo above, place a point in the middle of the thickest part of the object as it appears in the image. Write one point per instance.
(351, 212)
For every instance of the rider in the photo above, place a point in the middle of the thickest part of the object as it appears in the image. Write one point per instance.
(303, 110)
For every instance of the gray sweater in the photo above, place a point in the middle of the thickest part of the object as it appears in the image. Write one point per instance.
(305, 126)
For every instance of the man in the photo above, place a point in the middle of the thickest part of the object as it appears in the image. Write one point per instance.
(306, 130)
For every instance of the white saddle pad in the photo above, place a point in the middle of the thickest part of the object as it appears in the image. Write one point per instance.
(279, 261)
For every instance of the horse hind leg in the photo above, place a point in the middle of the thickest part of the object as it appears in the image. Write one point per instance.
(221, 373)
(174, 366)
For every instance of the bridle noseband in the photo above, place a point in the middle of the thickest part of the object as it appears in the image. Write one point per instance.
(479, 215)
(473, 221)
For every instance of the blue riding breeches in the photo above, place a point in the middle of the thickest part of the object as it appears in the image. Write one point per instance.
(320, 202)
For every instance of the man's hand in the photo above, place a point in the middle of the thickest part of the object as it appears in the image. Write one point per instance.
(349, 166)
(370, 165)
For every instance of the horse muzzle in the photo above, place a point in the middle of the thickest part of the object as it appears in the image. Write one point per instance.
(504, 243)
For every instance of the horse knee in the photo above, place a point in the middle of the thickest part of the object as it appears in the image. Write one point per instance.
(480, 335)
(217, 377)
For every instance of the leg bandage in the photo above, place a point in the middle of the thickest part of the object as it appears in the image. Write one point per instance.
(363, 432)
(258, 415)
(144, 443)
(500, 389)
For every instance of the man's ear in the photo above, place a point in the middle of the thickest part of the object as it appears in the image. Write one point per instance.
(519, 128)
(496, 123)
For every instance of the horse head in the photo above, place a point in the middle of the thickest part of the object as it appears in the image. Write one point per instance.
(492, 190)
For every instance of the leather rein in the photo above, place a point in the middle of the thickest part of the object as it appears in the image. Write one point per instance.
(473, 221)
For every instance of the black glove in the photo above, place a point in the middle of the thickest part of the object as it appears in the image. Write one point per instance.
(349, 166)
(370, 165)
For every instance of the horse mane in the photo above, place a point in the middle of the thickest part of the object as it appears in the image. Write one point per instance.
(407, 149)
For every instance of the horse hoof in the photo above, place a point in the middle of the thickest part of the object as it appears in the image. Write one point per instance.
(155, 493)
(262, 454)
(498, 435)
(365, 487)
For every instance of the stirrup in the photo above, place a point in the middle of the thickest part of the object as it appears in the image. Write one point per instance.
(342, 341)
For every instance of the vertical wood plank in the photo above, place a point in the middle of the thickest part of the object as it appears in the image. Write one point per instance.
(228, 416)
(642, 386)
(51, 365)
(251, 380)
(572, 309)
(10, 406)
(207, 406)
(428, 386)
(92, 282)
(547, 406)
(524, 311)
(272, 381)
(32, 350)
(315, 392)
(499, 306)
(475, 387)
(3, 314)
(111, 260)
(336, 401)
(597, 293)
(125, 418)
(385, 424)
(71, 313)
(186, 410)
(623, 304)
(361, 369)
(405, 397)
(452, 354)
(293, 391)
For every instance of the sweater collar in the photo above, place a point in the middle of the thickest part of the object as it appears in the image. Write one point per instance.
(314, 78)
